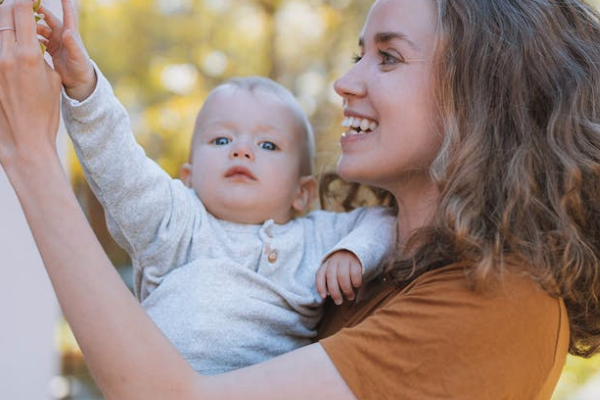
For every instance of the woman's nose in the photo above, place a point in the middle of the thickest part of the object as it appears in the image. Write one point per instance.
(351, 85)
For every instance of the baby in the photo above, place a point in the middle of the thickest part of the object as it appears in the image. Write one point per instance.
(220, 263)
(225, 259)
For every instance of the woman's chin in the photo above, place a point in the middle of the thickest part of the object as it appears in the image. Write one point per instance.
(345, 171)
(351, 175)
(350, 171)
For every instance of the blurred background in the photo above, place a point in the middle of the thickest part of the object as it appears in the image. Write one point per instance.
(163, 57)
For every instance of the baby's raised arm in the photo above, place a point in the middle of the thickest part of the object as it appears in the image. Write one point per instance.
(141, 201)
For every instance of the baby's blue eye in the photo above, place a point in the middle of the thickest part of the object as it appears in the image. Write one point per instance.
(221, 141)
(266, 145)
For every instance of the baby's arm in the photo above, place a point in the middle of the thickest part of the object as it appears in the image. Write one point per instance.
(140, 199)
(339, 275)
(364, 237)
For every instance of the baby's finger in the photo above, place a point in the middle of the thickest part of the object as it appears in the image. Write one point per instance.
(45, 42)
(321, 283)
(332, 285)
(356, 275)
(69, 14)
(50, 18)
(44, 31)
(345, 282)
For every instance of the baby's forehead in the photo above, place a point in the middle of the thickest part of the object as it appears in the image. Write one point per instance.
(260, 107)
(227, 91)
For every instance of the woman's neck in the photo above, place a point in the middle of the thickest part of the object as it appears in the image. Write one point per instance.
(417, 202)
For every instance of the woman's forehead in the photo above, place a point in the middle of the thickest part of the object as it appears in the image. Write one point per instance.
(411, 21)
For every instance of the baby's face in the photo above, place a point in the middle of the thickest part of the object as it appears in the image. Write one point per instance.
(246, 157)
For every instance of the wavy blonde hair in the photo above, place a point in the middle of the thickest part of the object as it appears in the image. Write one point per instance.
(519, 170)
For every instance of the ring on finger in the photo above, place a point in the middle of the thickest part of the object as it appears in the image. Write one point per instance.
(7, 28)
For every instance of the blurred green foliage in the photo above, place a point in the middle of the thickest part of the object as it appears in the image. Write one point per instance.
(163, 57)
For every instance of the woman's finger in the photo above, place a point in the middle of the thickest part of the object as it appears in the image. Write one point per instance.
(7, 26)
(25, 24)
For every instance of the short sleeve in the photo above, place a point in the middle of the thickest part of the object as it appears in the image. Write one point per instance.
(438, 339)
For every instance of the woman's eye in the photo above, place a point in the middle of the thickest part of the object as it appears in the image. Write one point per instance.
(266, 145)
(221, 141)
(388, 59)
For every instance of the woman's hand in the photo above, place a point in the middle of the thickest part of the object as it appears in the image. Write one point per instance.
(29, 88)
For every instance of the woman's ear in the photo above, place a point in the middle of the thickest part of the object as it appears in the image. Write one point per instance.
(185, 174)
(307, 192)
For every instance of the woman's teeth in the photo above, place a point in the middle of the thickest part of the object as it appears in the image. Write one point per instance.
(358, 126)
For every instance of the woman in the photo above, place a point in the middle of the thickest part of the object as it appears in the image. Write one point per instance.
(485, 118)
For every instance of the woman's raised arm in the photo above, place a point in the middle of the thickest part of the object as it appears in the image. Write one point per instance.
(127, 354)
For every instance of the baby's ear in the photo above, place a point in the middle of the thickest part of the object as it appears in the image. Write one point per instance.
(307, 193)
(185, 174)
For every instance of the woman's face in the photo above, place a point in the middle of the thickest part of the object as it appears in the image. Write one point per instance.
(393, 131)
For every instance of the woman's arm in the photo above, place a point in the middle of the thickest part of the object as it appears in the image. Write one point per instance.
(127, 354)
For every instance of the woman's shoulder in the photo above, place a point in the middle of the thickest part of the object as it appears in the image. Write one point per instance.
(444, 287)
(438, 333)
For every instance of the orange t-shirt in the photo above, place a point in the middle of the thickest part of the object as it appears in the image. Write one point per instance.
(438, 339)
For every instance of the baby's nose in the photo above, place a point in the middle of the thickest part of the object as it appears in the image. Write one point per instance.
(242, 152)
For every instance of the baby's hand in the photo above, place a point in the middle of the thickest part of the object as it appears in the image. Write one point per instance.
(68, 53)
(340, 273)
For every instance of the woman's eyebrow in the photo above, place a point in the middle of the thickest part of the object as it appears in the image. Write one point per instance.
(384, 37)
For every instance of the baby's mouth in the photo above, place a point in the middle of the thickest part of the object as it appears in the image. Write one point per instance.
(358, 126)
(239, 171)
